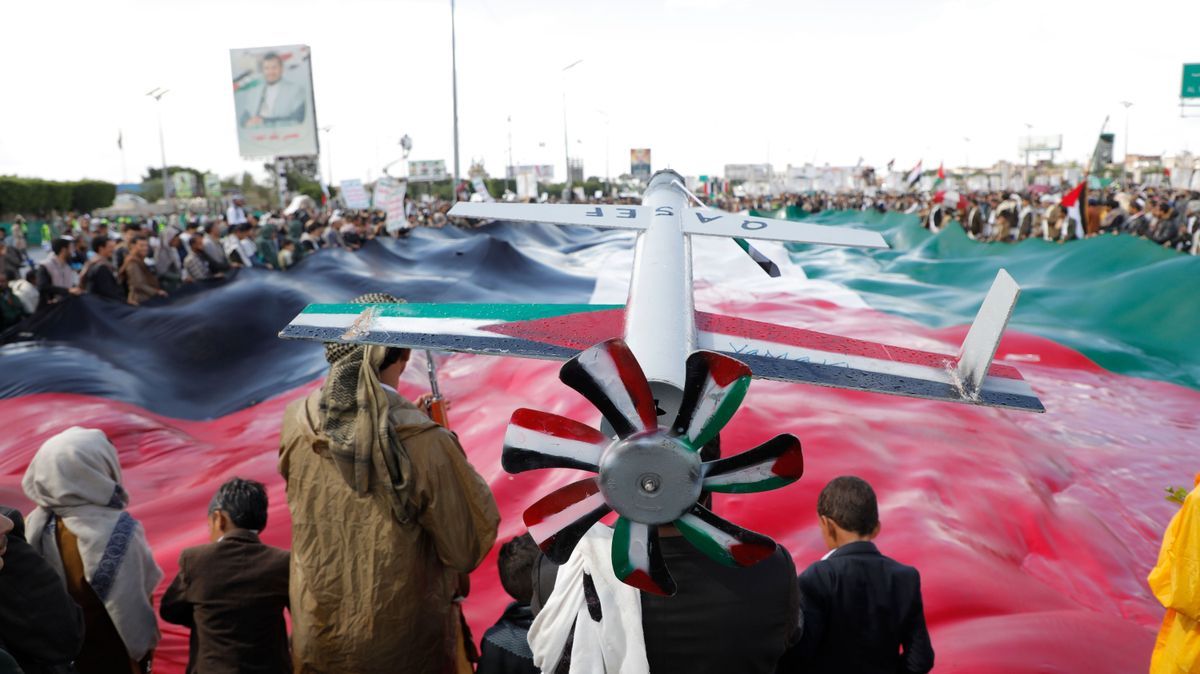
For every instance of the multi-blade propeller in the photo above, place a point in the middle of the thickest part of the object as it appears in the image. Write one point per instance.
(650, 475)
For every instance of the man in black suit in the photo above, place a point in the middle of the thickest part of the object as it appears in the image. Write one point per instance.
(862, 610)
(232, 592)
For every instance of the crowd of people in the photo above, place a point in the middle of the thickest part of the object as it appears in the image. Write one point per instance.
(137, 260)
(389, 518)
(1170, 218)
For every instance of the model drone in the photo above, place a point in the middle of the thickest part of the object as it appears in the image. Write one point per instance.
(666, 378)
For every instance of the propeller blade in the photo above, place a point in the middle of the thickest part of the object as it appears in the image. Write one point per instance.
(610, 377)
(637, 558)
(722, 540)
(714, 387)
(537, 439)
(563, 516)
(761, 260)
(771, 465)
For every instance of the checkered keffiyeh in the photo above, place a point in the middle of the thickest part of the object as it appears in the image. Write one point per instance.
(354, 407)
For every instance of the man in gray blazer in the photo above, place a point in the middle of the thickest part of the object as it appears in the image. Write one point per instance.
(279, 102)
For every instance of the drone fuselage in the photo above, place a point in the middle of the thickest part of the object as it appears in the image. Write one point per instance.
(660, 317)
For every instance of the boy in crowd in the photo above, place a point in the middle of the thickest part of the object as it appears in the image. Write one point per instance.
(505, 647)
(862, 610)
(232, 591)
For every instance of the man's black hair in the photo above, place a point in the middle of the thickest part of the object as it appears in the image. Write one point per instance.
(59, 245)
(269, 56)
(850, 502)
(243, 501)
(515, 564)
(99, 241)
(393, 355)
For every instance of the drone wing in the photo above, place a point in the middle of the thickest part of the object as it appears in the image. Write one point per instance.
(545, 331)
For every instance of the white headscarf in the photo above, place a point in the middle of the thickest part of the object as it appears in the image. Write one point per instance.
(166, 258)
(75, 476)
(612, 644)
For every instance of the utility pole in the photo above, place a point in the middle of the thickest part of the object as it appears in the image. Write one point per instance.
(1125, 152)
(566, 142)
(157, 93)
(454, 87)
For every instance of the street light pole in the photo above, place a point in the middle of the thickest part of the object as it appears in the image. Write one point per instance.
(607, 153)
(566, 142)
(1125, 152)
(157, 93)
(454, 87)
(328, 154)
(511, 173)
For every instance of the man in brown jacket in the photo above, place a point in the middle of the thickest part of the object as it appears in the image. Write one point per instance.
(136, 276)
(232, 591)
(388, 517)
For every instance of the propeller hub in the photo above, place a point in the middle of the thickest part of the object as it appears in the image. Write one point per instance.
(651, 477)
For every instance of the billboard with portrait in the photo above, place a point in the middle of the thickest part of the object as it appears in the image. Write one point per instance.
(273, 101)
(639, 163)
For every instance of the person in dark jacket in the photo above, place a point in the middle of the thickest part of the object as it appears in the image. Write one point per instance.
(41, 627)
(232, 591)
(505, 646)
(55, 279)
(862, 611)
(99, 277)
(722, 618)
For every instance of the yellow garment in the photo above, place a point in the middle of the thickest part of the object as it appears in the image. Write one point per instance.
(370, 593)
(1175, 581)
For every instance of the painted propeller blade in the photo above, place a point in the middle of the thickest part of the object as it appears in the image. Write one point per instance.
(722, 540)
(714, 386)
(536, 439)
(771, 465)
(563, 516)
(609, 376)
(761, 260)
(637, 558)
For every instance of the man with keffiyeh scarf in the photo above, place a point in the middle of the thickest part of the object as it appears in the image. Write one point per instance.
(388, 517)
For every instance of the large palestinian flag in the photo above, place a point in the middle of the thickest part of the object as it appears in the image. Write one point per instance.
(1033, 532)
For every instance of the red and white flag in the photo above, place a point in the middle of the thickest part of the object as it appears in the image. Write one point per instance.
(1076, 204)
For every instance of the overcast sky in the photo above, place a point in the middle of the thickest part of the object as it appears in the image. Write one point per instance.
(700, 82)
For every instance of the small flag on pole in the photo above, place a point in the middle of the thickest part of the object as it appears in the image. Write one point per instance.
(914, 175)
(120, 140)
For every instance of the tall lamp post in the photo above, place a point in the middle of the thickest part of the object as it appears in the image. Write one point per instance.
(157, 93)
(328, 154)
(1125, 152)
(607, 153)
(567, 143)
(454, 90)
